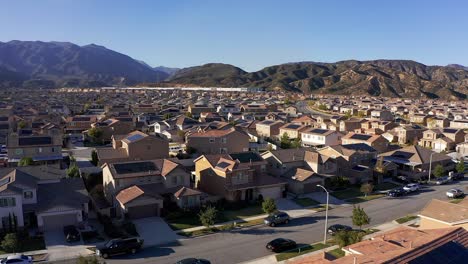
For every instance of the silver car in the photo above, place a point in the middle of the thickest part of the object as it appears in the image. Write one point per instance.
(277, 218)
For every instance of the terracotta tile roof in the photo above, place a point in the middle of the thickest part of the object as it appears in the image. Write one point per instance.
(445, 211)
(129, 194)
(185, 191)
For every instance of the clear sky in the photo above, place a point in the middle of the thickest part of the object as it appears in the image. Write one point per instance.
(250, 34)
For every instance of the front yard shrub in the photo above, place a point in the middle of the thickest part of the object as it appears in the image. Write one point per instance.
(11, 243)
(208, 216)
(346, 238)
(269, 205)
(130, 228)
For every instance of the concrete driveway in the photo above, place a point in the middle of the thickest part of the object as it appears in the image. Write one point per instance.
(56, 238)
(155, 231)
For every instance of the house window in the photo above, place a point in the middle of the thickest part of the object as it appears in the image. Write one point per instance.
(174, 180)
(212, 140)
(148, 147)
(224, 140)
(39, 150)
(28, 195)
(7, 202)
(52, 149)
(223, 150)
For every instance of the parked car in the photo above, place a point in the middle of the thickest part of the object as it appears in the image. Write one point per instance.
(396, 192)
(17, 259)
(120, 246)
(193, 261)
(71, 233)
(333, 229)
(277, 218)
(455, 193)
(457, 176)
(443, 180)
(402, 179)
(412, 187)
(281, 244)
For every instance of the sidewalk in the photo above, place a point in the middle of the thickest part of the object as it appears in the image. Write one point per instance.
(58, 253)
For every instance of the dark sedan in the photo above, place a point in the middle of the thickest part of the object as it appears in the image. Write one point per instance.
(193, 261)
(337, 228)
(281, 244)
(396, 192)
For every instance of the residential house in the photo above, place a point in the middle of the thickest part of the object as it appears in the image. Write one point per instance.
(443, 214)
(414, 161)
(382, 115)
(113, 126)
(267, 128)
(218, 141)
(460, 124)
(43, 149)
(409, 133)
(376, 141)
(137, 189)
(350, 124)
(196, 110)
(317, 137)
(236, 177)
(78, 124)
(133, 146)
(292, 130)
(444, 139)
(304, 120)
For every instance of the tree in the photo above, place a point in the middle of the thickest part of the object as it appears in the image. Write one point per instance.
(10, 243)
(348, 114)
(22, 124)
(181, 134)
(322, 107)
(439, 171)
(296, 143)
(367, 188)
(188, 114)
(360, 217)
(26, 161)
(167, 116)
(346, 238)
(208, 216)
(285, 142)
(94, 157)
(73, 171)
(95, 133)
(460, 166)
(268, 205)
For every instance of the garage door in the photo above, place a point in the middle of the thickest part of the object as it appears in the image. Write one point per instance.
(310, 187)
(52, 222)
(273, 192)
(143, 211)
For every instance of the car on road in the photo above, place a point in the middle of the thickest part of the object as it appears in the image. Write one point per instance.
(193, 261)
(333, 229)
(71, 233)
(412, 187)
(455, 193)
(17, 259)
(119, 246)
(397, 192)
(277, 218)
(281, 244)
(443, 180)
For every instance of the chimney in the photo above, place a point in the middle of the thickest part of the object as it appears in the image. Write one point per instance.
(411, 244)
(354, 260)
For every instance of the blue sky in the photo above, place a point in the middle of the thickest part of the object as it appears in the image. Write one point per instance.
(247, 33)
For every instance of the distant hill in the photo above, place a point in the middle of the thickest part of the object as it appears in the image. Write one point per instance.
(169, 71)
(65, 64)
(392, 78)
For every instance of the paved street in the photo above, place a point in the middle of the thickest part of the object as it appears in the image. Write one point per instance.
(302, 107)
(248, 244)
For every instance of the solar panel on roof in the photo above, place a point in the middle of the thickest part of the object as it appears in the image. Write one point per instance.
(134, 167)
(4, 181)
(450, 130)
(268, 122)
(34, 141)
(293, 126)
(361, 136)
(223, 165)
(402, 154)
(246, 157)
(135, 137)
(319, 131)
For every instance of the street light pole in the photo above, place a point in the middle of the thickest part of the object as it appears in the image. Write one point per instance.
(326, 216)
(430, 165)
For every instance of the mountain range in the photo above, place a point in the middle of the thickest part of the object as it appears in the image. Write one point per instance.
(36, 64)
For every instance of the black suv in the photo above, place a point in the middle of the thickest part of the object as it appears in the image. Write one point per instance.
(396, 192)
(71, 233)
(337, 228)
(120, 246)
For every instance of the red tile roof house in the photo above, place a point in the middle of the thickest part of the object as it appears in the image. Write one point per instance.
(218, 141)
(136, 189)
(376, 141)
(402, 245)
(236, 177)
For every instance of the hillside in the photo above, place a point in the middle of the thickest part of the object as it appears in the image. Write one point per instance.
(393, 78)
(67, 64)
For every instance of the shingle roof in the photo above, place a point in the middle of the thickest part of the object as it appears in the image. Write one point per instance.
(446, 211)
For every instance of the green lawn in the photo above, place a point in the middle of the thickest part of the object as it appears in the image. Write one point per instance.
(457, 200)
(305, 202)
(186, 221)
(251, 210)
(406, 219)
(30, 244)
(337, 253)
(385, 186)
(300, 251)
(213, 230)
(347, 194)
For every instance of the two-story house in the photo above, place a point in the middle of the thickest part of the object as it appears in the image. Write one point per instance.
(43, 149)
(114, 126)
(78, 124)
(292, 130)
(442, 139)
(133, 146)
(317, 137)
(236, 177)
(378, 142)
(268, 128)
(218, 141)
(409, 133)
(136, 189)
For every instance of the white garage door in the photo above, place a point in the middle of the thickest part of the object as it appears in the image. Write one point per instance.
(272, 192)
(52, 222)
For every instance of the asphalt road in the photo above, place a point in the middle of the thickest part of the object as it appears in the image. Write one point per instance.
(304, 108)
(243, 245)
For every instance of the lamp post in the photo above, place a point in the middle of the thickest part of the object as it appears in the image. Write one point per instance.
(326, 216)
(430, 166)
